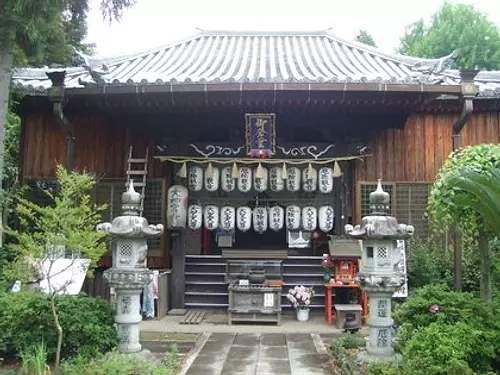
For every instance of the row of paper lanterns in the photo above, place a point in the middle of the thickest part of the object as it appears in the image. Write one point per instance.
(262, 218)
(261, 179)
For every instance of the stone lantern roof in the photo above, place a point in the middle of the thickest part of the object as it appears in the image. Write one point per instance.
(379, 224)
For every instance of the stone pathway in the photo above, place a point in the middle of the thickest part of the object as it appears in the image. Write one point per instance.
(260, 354)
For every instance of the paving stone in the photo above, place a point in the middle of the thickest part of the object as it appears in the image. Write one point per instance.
(304, 347)
(215, 347)
(239, 366)
(298, 337)
(273, 339)
(247, 339)
(202, 370)
(226, 338)
(310, 371)
(273, 352)
(243, 353)
(309, 360)
(274, 366)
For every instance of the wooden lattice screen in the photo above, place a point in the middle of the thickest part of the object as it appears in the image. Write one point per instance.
(408, 202)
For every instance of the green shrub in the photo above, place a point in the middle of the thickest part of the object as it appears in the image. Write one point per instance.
(26, 320)
(118, 364)
(463, 333)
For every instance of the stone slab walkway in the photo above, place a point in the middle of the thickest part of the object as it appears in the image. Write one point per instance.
(260, 354)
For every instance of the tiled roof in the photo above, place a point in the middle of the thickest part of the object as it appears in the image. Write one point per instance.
(251, 57)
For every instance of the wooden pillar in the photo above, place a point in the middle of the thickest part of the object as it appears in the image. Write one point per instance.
(178, 281)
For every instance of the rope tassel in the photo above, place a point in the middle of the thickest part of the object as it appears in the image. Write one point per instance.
(337, 172)
(183, 171)
(260, 171)
(210, 171)
(235, 172)
(284, 172)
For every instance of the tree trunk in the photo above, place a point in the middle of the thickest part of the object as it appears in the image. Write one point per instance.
(5, 76)
(59, 333)
(485, 259)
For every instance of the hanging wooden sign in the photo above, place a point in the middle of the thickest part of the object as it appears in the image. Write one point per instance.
(260, 134)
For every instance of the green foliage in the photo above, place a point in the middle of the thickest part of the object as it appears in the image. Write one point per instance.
(446, 206)
(428, 263)
(343, 360)
(366, 38)
(70, 222)
(455, 27)
(382, 368)
(117, 364)
(350, 340)
(34, 360)
(45, 32)
(464, 333)
(26, 320)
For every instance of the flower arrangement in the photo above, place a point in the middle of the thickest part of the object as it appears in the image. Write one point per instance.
(300, 296)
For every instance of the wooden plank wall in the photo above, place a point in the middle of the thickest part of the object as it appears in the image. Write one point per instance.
(101, 147)
(415, 153)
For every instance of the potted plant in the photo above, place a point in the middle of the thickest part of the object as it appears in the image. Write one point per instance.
(327, 264)
(300, 297)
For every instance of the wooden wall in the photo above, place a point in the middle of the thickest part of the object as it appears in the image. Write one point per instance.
(101, 147)
(416, 153)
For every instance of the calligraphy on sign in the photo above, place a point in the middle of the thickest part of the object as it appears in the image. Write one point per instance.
(260, 134)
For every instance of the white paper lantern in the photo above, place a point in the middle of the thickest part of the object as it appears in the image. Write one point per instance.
(211, 217)
(293, 180)
(195, 216)
(260, 183)
(177, 206)
(325, 180)
(309, 218)
(276, 218)
(260, 219)
(309, 182)
(244, 179)
(227, 217)
(276, 182)
(326, 218)
(227, 182)
(212, 182)
(244, 218)
(195, 178)
(292, 217)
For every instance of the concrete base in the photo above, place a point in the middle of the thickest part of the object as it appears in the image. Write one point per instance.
(364, 358)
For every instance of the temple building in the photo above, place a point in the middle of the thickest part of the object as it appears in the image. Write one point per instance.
(254, 149)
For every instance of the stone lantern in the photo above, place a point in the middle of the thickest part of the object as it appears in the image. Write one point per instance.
(379, 272)
(129, 273)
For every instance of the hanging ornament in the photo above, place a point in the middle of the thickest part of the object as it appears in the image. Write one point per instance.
(292, 217)
(325, 180)
(260, 178)
(195, 216)
(276, 182)
(309, 179)
(284, 172)
(245, 179)
(210, 171)
(234, 172)
(183, 171)
(227, 182)
(211, 217)
(195, 178)
(276, 218)
(212, 178)
(337, 172)
(227, 217)
(244, 218)
(177, 197)
(293, 181)
(326, 218)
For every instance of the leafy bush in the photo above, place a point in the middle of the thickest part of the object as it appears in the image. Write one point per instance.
(26, 320)
(443, 332)
(428, 263)
(118, 364)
